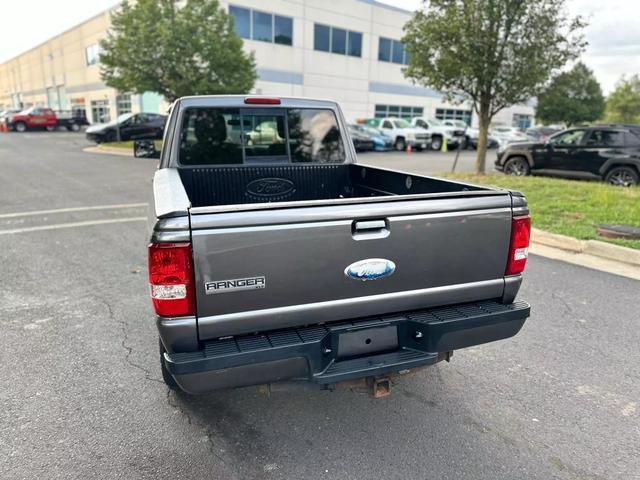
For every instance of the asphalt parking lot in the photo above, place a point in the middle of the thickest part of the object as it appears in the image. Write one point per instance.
(82, 397)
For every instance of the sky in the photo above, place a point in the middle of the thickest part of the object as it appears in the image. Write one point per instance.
(613, 32)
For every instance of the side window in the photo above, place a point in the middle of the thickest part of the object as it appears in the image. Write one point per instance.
(631, 139)
(606, 138)
(568, 139)
(314, 136)
(387, 124)
(211, 136)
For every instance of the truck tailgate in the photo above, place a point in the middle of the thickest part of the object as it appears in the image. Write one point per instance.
(266, 269)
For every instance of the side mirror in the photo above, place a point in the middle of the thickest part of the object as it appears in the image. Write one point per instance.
(145, 149)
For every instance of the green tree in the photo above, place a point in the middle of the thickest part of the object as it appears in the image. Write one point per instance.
(571, 97)
(175, 48)
(623, 104)
(493, 53)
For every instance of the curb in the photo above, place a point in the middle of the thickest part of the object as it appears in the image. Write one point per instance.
(590, 247)
(123, 152)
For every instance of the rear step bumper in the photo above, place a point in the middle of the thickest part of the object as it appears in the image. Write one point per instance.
(336, 352)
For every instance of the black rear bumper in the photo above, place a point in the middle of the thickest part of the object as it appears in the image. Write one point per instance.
(332, 353)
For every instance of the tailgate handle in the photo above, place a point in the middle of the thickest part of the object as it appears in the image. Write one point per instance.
(370, 229)
(369, 225)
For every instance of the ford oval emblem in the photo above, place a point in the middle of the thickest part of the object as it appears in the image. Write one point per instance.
(370, 269)
(270, 187)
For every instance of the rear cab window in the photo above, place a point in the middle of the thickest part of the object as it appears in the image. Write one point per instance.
(235, 136)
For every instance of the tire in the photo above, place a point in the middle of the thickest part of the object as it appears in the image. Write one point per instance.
(49, 128)
(622, 176)
(166, 376)
(400, 144)
(74, 127)
(517, 166)
(463, 144)
(436, 143)
(20, 127)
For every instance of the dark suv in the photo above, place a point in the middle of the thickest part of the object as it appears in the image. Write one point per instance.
(609, 152)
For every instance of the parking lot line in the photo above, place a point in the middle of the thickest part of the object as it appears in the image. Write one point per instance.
(72, 225)
(73, 209)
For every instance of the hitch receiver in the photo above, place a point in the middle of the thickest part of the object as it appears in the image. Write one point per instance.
(379, 386)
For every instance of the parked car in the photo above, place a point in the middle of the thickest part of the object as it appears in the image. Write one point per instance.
(401, 132)
(131, 125)
(507, 135)
(381, 141)
(608, 152)
(34, 118)
(541, 134)
(362, 141)
(367, 272)
(471, 134)
(438, 132)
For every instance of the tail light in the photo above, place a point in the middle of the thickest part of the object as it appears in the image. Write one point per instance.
(519, 246)
(171, 279)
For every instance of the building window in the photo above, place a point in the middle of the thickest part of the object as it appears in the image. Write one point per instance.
(398, 111)
(355, 44)
(242, 21)
(282, 30)
(262, 26)
(123, 103)
(521, 121)
(337, 40)
(321, 38)
(100, 111)
(92, 54)
(392, 51)
(454, 114)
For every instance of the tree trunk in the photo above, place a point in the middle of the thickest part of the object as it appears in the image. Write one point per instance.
(481, 157)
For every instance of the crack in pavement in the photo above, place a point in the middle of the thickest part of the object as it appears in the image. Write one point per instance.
(208, 433)
(123, 343)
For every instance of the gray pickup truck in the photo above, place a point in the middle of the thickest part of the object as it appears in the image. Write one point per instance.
(274, 256)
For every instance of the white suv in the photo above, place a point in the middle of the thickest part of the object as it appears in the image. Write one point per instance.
(402, 132)
(439, 132)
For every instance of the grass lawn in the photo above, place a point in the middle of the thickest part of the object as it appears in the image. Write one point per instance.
(128, 144)
(570, 207)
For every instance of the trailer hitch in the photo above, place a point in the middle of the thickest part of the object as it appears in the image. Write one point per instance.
(379, 386)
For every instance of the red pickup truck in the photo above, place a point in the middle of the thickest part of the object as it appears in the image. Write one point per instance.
(41, 117)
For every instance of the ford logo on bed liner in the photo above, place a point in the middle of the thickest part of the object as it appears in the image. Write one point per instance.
(370, 269)
(270, 187)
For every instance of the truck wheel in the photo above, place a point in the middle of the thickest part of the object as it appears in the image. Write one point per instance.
(74, 127)
(517, 166)
(21, 127)
(436, 143)
(50, 128)
(166, 376)
(622, 176)
(401, 146)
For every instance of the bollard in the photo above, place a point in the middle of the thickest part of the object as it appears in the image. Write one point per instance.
(444, 145)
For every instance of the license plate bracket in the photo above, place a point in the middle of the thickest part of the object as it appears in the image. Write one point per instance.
(368, 340)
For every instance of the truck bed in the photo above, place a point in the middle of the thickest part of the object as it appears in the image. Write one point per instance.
(233, 185)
